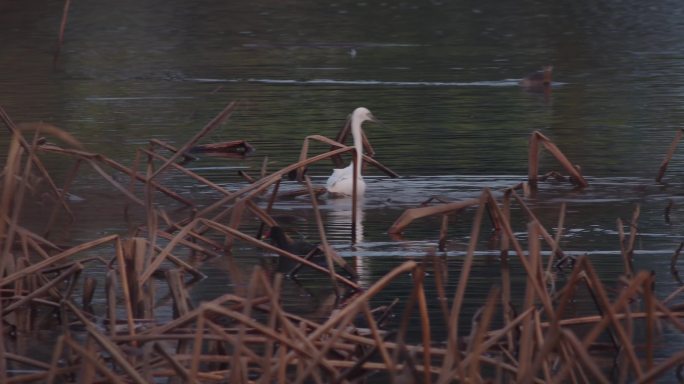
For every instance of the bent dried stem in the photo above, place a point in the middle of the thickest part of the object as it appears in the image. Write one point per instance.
(668, 155)
(533, 160)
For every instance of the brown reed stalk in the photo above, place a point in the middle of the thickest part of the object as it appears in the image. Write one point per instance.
(60, 34)
(493, 338)
(65, 190)
(110, 291)
(91, 359)
(621, 361)
(136, 255)
(623, 248)
(527, 344)
(584, 357)
(123, 273)
(175, 365)
(319, 358)
(197, 343)
(633, 228)
(237, 211)
(649, 304)
(419, 287)
(115, 183)
(354, 306)
(609, 317)
(357, 371)
(295, 345)
(593, 319)
(55, 259)
(189, 317)
(180, 296)
(441, 275)
(355, 197)
(443, 233)
(505, 212)
(333, 153)
(240, 375)
(452, 358)
(197, 275)
(272, 323)
(673, 317)
(12, 169)
(159, 258)
(41, 127)
(506, 302)
(400, 339)
(153, 143)
(239, 369)
(43, 289)
(285, 319)
(150, 213)
(18, 200)
(56, 353)
(37, 243)
(479, 336)
(269, 207)
(115, 353)
(215, 122)
(541, 293)
(207, 250)
(533, 160)
(540, 339)
(22, 316)
(669, 363)
(282, 364)
(413, 214)
(91, 158)
(4, 356)
(668, 155)
(557, 238)
(327, 251)
(532, 217)
(381, 343)
(258, 187)
(553, 335)
(269, 247)
(25, 360)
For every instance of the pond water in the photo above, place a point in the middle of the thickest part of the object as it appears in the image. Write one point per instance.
(442, 77)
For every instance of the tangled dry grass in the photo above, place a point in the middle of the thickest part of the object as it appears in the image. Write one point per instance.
(252, 338)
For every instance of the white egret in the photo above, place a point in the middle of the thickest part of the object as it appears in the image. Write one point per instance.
(341, 182)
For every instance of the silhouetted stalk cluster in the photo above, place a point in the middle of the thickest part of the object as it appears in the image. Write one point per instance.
(250, 337)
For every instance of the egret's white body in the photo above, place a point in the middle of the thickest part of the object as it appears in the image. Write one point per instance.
(341, 182)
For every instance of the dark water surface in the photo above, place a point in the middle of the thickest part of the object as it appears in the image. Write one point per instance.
(441, 76)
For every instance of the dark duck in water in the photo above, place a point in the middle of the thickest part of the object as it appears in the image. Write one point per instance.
(538, 80)
(299, 247)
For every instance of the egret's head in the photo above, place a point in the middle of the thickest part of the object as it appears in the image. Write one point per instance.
(362, 114)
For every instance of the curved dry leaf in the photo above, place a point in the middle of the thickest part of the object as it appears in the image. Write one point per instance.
(51, 130)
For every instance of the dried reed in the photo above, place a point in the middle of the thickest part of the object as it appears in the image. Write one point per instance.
(669, 154)
(249, 336)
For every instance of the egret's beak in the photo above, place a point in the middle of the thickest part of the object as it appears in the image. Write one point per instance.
(374, 119)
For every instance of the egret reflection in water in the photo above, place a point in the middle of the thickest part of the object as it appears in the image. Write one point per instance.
(339, 228)
(339, 220)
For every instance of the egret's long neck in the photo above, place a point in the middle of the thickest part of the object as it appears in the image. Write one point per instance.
(358, 143)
